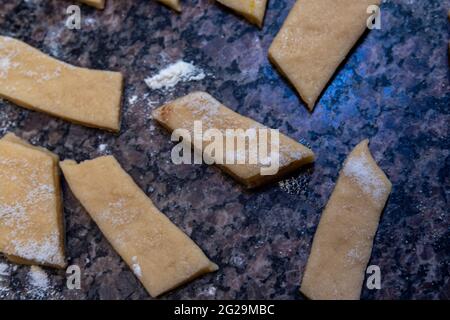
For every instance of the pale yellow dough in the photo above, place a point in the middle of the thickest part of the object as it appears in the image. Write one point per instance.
(36, 81)
(252, 10)
(174, 4)
(31, 215)
(343, 241)
(315, 39)
(99, 4)
(159, 253)
(200, 106)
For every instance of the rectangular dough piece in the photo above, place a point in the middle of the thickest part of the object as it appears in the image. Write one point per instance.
(159, 253)
(31, 213)
(36, 81)
(200, 106)
(252, 10)
(343, 241)
(174, 4)
(99, 4)
(315, 39)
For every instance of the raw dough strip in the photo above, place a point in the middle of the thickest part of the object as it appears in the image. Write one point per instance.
(159, 253)
(99, 4)
(31, 214)
(36, 81)
(252, 10)
(343, 241)
(174, 4)
(200, 106)
(315, 39)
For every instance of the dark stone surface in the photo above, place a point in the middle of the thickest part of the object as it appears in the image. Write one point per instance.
(393, 89)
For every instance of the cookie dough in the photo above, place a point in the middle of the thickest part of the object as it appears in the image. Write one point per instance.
(159, 253)
(31, 215)
(174, 4)
(343, 241)
(315, 39)
(200, 106)
(36, 81)
(252, 10)
(99, 4)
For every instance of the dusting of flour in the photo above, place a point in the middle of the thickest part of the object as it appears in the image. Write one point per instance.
(170, 76)
(136, 267)
(5, 64)
(360, 169)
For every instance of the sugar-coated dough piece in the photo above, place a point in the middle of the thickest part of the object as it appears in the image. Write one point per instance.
(200, 106)
(315, 39)
(343, 241)
(36, 81)
(31, 215)
(252, 10)
(99, 4)
(174, 4)
(159, 253)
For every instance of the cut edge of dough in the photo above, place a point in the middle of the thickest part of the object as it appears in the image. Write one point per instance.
(176, 6)
(253, 19)
(93, 3)
(310, 105)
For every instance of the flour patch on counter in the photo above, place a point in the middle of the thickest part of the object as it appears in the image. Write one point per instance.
(173, 74)
(102, 148)
(38, 278)
(132, 100)
(4, 270)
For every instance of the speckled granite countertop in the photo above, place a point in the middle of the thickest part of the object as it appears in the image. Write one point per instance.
(394, 89)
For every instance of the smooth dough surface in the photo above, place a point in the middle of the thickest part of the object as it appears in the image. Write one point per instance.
(343, 241)
(36, 81)
(159, 253)
(315, 39)
(99, 4)
(31, 215)
(252, 10)
(174, 4)
(200, 106)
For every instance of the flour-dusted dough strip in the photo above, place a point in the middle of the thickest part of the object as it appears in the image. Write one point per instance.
(200, 106)
(252, 10)
(159, 253)
(343, 241)
(315, 39)
(36, 81)
(174, 4)
(31, 215)
(99, 4)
